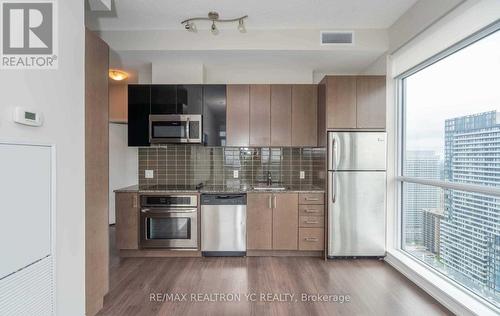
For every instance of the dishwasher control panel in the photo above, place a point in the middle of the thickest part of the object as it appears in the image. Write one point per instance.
(224, 199)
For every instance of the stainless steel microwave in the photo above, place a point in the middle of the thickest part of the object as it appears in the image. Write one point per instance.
(175, 128)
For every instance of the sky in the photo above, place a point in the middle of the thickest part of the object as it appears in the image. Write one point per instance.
(467, 82)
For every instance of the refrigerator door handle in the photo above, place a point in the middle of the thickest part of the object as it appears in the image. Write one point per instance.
(333, 189)
(333, 152)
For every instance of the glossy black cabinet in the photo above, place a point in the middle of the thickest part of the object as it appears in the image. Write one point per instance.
(164, 99)
(214, 115)
(189, 99)
(139, 100)
(207, 100)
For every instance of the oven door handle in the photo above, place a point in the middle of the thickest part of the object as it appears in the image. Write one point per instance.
(170, 210)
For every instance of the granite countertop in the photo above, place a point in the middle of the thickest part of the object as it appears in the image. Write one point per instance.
(222, 189)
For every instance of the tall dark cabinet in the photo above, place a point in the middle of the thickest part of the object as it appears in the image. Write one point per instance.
(138, 114)
(164, 99)
(176, 99)
(189, 99)
(214, 115)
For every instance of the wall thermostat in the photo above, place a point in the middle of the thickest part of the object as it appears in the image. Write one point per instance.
(27, 117)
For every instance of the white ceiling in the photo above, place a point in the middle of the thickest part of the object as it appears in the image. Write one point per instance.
(268, 14)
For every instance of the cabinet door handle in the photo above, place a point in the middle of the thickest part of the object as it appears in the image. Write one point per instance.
(312, 211)
(270, 202)
(275, 202)
(312, 222)
(311, 239)
(311, 199)
(134, 201)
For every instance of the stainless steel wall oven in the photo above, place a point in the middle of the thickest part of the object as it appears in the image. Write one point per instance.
(169, 221)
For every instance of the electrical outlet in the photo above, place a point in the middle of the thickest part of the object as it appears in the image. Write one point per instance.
(236, 174)
(302, 175)
(149, 174)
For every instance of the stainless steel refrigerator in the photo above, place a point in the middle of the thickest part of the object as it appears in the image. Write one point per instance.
(356, 194)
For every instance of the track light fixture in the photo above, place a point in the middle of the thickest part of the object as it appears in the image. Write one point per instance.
(214, 17)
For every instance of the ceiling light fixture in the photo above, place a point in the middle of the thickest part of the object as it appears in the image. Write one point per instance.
(117, 75)
(214, 17)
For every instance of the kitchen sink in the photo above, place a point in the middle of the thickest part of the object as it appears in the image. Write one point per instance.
(269, 188)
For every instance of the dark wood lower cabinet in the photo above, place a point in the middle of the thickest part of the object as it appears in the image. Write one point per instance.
(259, 221)
(285, 221)
(274, 223)
(127, 220)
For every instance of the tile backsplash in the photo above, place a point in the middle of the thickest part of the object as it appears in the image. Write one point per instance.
(191, 165)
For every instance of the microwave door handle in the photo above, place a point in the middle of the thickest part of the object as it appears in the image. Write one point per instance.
(187, 129)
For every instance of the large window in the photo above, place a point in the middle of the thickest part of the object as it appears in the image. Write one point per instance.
(450, 164)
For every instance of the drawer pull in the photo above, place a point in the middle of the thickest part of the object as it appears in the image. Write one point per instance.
(311, 199)
(312, 211)
(311, 239)
(312, 222)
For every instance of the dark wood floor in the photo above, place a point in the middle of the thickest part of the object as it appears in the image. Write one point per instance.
(374, 287)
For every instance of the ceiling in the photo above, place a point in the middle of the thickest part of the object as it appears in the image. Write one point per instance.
(275, 14)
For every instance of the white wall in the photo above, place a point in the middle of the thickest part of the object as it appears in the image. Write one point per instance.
(123, 164)
(59, 94)
(379, 67)
(422, 14)
(256, 73)
(465, 20)
(172, 73)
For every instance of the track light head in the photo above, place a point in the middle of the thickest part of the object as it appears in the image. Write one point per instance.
(214, 29)
(241, 26)
(190, 26)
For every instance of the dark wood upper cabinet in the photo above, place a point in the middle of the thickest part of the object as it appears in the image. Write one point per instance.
(164, 99)
(238, 115)
(351, 102)
(341, 102)
(371, 102)
(189, 99)
(260, 115)
(304, 115)
(281, 115)
(138, 115)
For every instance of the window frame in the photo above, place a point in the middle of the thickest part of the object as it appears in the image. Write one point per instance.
(401, 179)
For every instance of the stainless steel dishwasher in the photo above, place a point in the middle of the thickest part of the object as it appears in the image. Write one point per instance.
(223, 224)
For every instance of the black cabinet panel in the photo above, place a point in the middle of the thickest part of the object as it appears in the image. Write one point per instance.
(164, 99)
(138, 115)
(214, 115)
(189, 99)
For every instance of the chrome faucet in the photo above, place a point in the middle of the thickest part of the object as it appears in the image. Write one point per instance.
(269, 179)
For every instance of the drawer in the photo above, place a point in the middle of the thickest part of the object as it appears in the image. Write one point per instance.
(312, 210)
(311, 198)
(311, 239)
(312, 221)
